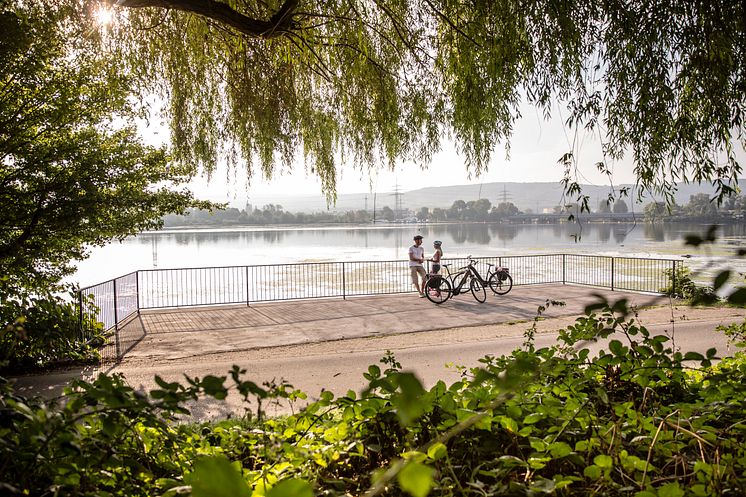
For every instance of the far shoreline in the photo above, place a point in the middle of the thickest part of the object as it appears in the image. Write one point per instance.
(394, 224)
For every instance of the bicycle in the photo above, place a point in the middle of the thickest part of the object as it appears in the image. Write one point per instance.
(499, 279)
(440, 288)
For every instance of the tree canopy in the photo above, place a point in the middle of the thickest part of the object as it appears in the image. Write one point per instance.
(73, 172)
(368, 83)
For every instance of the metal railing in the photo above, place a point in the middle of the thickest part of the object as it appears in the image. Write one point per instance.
(115, 301)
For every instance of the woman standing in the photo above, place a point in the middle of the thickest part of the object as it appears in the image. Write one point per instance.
(437, 256)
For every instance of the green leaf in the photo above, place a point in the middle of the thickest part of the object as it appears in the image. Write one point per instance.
(670, 490)
(543, 485)
(374, 371)
(414, 455)
(410, 386)
(602, 395)
(597, 306)
(509, 424)
(616, 347)
(603, 461)
(532, 418)
(699, 490)
(416, 479)
(437, 451)
(693, 356)
(559, 449)
(293, 487)
(593, 472)
(409, 403)
(511, 461)
(215, 476)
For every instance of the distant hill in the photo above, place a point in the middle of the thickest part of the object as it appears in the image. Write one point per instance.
(534, 196)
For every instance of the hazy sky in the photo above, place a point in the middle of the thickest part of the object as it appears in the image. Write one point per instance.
(536, 146)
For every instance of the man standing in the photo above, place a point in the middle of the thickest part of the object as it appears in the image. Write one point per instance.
(416, 259)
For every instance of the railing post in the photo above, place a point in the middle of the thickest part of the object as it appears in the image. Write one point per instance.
(116, 317)
(612, 274)
(80, 313)
(137, 290)
(247, 286)
(344, 283)
(563, 268)
(673, 279)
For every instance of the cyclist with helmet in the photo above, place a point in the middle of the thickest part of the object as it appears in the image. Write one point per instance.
(437, 244)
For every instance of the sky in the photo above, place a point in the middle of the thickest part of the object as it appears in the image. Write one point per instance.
(536, 147)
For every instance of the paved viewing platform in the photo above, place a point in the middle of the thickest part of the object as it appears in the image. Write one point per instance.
(327, 344)
(170, 334)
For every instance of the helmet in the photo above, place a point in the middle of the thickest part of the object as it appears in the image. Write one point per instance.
(418, 237)
(437, 243)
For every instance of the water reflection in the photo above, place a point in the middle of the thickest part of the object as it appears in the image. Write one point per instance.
(505, 233)
(604, 232)
(620, 233)
(655, 232)
(199, 248)
(453, 235)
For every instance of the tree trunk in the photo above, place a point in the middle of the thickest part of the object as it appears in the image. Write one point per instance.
(280, 23)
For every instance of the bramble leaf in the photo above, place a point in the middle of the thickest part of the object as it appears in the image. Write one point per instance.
(416, 479)
(215, 476)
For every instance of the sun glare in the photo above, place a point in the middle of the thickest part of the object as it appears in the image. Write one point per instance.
(104, 15)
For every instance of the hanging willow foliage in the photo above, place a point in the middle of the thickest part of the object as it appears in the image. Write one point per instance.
(370, 82)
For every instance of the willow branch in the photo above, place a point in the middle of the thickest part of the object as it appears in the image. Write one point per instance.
(279, 24)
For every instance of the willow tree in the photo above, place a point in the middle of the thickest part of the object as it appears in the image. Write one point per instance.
(370, 82)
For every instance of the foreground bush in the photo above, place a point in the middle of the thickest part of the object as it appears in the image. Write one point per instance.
(44, 330)
(631, 421)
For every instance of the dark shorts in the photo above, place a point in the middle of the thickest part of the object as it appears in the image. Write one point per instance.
(435, 268)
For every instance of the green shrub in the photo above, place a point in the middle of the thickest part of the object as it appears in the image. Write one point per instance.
(41, 331)
(682, 286)
(632, 420)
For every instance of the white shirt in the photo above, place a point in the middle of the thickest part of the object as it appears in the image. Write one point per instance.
(418, 253)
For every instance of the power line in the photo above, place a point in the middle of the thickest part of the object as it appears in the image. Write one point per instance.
(397, 201)
(506, 196)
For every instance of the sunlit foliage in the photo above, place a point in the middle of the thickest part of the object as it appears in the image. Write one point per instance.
(637, 418)
(370, 83)
(73, 172)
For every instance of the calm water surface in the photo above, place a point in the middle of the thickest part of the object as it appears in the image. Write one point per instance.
(254, 245)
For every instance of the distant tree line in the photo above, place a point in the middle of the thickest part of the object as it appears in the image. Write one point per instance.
(476, 210)
(268, 214)
(700, 207)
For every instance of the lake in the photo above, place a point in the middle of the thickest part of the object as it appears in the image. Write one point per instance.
(273, 245)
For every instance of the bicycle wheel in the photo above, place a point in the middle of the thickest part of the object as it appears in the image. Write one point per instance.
(437, 292)
(477, 289)
(501, 283)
